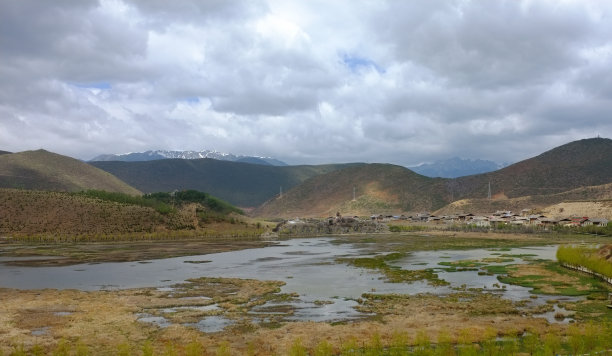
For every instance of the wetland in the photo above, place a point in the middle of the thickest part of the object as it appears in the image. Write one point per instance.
(270, 294)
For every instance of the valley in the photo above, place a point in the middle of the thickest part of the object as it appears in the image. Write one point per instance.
(360, 259)
(305, 178)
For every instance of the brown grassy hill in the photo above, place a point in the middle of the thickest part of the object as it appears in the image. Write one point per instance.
(592, 209)
(33, 213)
(42, 170)
(549, 178)
(39, 212)
(539, 202)
(379, 188)
(576, 164)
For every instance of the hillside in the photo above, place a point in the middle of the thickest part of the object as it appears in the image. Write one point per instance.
(4, 152)
(379, 188)
(596, 209)
(42, 170)
(547, 179)
(241, 184)
(38, 212)
(455, 167)
(576, 164)
(597, 195)
(99, 213)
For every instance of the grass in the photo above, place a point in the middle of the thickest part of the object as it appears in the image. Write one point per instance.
(462, 264)
(588, 257)
(401, 324)
(144, 201)
(407, 228)
(395, 274)
(171, 245)
(549, 278)
(592, 339)
(52, 217)
(518, 255)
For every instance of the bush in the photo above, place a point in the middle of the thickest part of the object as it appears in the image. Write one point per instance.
(586, 257)
(121, 198)
(406, 228)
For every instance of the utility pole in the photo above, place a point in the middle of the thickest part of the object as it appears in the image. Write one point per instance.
(354, 188)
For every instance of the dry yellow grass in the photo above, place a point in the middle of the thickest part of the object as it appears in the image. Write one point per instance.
(590, 209)
(104, 320)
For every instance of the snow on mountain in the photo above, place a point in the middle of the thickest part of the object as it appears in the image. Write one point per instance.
(166, 154)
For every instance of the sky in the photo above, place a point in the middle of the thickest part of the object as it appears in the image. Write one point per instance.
(306, 82)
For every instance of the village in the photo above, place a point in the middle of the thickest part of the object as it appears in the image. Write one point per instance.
(525, 217)
(378, 223)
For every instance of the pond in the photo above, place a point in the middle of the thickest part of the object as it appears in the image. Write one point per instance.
(327, 289)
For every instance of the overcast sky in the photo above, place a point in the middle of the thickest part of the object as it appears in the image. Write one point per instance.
(308, 81)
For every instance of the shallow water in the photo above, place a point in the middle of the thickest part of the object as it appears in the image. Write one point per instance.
(327, 289)
(471, 279)
(212, 324)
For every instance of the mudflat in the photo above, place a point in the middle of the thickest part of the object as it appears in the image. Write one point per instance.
(63, 254)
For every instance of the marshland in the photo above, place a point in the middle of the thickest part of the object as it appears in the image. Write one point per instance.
(402, 293)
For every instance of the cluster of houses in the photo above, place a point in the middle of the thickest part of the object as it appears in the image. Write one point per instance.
(526, 217)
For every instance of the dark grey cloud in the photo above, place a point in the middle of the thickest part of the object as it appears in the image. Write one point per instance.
(401, 82)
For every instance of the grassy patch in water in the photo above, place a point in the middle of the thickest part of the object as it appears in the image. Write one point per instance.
(462, 263)
(377, 262)
(497, 260)
(519, 255)
(550, 278)
(395, 274)
(497, 269)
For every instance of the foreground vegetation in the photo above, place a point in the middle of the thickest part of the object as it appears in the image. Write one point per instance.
(584, 339)
(463, 322)
(590, 257)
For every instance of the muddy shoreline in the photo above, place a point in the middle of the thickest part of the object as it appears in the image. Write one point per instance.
(65, 254)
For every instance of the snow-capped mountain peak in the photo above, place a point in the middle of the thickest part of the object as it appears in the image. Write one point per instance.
(171, 154)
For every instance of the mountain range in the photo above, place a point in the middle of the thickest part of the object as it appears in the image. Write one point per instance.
(456, 167)
(242, 184)
(321, 190)
(394, 189)
(164, 154)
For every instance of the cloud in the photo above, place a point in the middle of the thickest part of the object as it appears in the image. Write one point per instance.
(306, 82)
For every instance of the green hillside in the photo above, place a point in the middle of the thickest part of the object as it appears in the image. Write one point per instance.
(379, 188)
(42, 170)
(241, 184)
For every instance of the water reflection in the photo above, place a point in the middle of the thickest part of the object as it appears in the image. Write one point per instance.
(327, 290)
